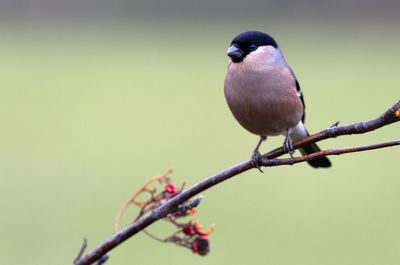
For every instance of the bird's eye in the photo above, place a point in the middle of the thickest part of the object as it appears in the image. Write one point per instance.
(252, 47)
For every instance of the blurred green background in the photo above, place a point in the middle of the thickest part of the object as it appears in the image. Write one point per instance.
(95, 98)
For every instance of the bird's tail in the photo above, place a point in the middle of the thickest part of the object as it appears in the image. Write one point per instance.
(300, 132)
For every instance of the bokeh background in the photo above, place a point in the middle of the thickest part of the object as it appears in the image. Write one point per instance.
(97, 96)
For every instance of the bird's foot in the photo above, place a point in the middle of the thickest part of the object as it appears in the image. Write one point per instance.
(288, 146)
(256, 160)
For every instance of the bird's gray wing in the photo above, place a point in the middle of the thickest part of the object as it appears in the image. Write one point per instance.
(300, 94)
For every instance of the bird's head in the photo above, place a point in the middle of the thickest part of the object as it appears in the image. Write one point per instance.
(247, 43)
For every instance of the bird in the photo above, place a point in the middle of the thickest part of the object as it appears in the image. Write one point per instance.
(264, 95)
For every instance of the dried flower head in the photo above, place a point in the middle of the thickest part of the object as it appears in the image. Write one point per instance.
(201, 245)
(189, 234)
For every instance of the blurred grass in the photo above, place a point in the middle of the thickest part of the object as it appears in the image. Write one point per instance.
(88, 114)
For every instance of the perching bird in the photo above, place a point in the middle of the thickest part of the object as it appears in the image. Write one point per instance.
(263, 94)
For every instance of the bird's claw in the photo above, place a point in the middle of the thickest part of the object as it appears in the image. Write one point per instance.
(288, 146)
(256, 158)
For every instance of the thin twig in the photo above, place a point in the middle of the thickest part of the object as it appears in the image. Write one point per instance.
(83, 247)
(190, 205)
(153, 236)
(390, 116)
(133, 197)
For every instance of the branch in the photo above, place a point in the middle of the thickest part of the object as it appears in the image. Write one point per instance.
(268, 159)
(337, 151)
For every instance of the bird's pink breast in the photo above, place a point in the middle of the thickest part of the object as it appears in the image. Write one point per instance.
(263, 101)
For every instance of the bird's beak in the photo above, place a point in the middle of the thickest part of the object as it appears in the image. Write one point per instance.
(235, 53)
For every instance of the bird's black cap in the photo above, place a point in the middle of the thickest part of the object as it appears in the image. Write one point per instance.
(247, 42)
(254, 38)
